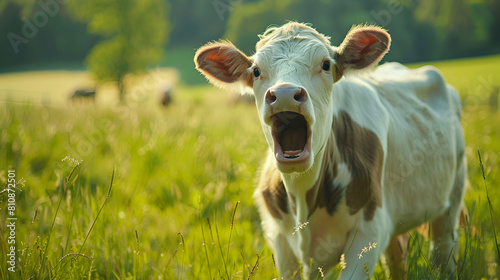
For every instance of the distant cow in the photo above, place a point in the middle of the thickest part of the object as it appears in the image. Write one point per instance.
(166, 95)
(356, 158)
(83, 94)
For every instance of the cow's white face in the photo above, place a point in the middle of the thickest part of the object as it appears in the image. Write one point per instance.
(292, 83)
(292, 76)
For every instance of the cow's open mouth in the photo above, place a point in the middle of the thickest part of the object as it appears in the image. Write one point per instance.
(291, 136)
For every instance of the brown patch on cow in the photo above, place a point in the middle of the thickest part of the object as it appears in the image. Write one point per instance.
(324, 193)
(362, 151)
(311, 199)
(396, 255)
(274, 193)
(292, 202)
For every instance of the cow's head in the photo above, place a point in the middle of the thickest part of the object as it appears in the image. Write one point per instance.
(292, 76)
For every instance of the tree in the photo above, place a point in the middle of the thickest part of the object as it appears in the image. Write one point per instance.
(135, 31)
(26, 4)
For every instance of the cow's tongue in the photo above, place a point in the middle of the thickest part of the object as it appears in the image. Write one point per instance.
(291, 132)
(293, 140)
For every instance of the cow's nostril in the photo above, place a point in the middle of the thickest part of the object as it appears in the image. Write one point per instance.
(270, 97)
(300, 96)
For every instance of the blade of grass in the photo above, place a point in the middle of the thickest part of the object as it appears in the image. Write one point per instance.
(34, 217)
(204, 241)
(183, 255)
(490, 207)
(245, 265)
(220, 248)
(468, 236)
(70, 226)
(42, 267)
(210, 229)
(91, 264)
(136, 252)
(35, 245)
(231, 231)
(256, 265)
(168, 263)
(99, 212)
(64, 258)
(93, 223)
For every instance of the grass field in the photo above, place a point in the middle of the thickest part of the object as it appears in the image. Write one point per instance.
(143, 192)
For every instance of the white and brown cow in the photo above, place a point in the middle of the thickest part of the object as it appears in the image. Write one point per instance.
(356, 158)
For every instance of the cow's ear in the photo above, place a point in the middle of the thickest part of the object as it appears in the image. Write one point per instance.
(224, 65)
(364, 46)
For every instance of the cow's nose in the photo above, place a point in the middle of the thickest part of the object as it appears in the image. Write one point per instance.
(294, 95)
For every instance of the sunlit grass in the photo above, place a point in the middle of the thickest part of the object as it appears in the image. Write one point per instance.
(179, 173)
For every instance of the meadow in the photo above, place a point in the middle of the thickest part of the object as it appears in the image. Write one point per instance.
(108, 191)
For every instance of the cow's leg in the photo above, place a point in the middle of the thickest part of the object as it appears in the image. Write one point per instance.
(396, 255)
(359, 254)
(286, 262)
(445, 228)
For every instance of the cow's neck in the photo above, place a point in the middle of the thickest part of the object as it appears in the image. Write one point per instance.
(306, 189)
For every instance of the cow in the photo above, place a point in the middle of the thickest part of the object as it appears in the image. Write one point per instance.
(81, 94)
(357, 156)
(165, 95)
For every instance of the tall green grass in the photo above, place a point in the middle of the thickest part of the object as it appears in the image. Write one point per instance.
(182, 177)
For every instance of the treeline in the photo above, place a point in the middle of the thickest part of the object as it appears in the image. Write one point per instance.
(35, 36)
(421, 29)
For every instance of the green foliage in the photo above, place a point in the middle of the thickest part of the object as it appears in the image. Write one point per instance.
(197, 21)
(183, 170)
(424, 29)
(26, 4)
(243, 28)
(463, 23)
(136, 32)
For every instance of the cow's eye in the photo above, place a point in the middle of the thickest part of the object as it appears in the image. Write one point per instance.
(256, 72)
(326, 65)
